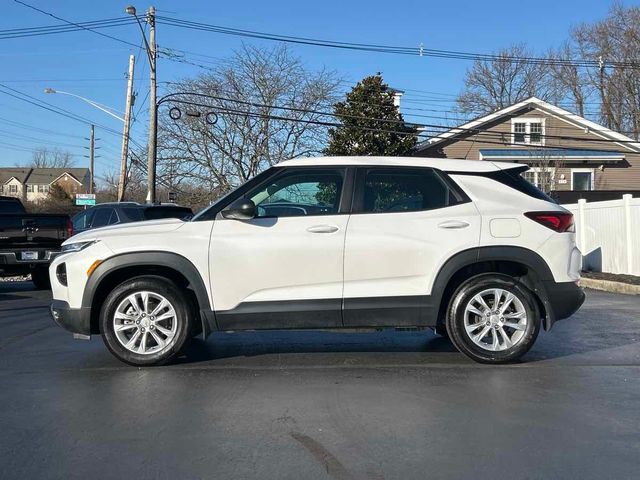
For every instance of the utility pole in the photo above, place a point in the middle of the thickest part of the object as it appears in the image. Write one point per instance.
(125, 133)
(92, 145)
(153, 112)
(152, 53)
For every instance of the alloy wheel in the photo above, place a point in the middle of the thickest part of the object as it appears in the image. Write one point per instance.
(145, 323)
(495, 319)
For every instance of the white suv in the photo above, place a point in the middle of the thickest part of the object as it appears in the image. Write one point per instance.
(468, 248)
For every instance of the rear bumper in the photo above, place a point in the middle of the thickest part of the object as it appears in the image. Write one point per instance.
(562, 299)
(75, 320)
(11, 263)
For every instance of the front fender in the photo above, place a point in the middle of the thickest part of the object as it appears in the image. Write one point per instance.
(173, 261)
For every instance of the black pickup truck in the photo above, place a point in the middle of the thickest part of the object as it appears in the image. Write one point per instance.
(28, 242)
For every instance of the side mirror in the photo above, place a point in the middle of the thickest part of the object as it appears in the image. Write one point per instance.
(240, 209)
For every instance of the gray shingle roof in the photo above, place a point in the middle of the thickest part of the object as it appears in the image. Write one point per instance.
(7, 173)
(40, 176)
(45, 176)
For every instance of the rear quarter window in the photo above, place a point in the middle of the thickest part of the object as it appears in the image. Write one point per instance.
(512, 178)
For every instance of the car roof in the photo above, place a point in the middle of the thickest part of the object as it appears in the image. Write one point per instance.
(447, 164)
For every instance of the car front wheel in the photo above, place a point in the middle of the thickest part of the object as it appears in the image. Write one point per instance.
(146, 321)
(493, 318)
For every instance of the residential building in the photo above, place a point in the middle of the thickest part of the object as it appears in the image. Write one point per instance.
(565, 150)
(34, 184)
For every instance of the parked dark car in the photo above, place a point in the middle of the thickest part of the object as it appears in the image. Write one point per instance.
(28, 242)
(125, 212)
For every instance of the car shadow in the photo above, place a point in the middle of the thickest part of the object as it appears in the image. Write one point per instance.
(222, 345)
(12, 290)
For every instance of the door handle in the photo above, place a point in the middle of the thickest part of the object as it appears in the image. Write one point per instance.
(323, 229)
(452, 224)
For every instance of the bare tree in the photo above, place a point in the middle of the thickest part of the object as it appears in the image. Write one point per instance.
(491, 85)
(263, 106)
(51, 158)
(564, 72)
(615, 43)
(545, 164)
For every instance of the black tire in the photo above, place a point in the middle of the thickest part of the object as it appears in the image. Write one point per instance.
(159, 286)
(455, 321)
(40, 278)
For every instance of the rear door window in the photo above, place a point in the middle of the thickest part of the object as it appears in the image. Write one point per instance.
(101, 217)
(82, 221)
(133, 214)
(387, 190)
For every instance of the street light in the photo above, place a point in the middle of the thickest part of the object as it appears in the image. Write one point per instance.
(125, 136)
(93, 103)
(150, 47)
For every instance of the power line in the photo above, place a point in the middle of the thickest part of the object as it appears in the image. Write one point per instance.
(60, 111)
(17, 136)
(390, 49)
(429, 129)
(52, 108)
(53, 29)
(37, 129)
(110, 22)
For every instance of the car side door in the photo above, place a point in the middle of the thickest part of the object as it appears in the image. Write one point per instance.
(405, 223)
(284, 267)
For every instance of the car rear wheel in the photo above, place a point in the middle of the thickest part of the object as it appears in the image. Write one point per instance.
(493, 318)
(146, 321)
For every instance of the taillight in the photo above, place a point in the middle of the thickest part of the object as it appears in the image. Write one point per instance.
(556, 221)
(69, 228)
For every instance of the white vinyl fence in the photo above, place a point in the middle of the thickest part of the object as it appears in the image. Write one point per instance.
(608, 234)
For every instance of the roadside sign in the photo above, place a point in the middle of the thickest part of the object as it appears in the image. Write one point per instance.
(85, 199)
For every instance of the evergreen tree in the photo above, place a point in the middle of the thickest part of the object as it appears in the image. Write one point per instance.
(371, 123)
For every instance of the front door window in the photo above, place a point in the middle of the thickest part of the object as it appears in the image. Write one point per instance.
(300, 194)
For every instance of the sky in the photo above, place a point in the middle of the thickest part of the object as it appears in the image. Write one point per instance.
(94, 67)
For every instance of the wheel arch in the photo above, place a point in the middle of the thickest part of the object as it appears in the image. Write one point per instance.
(119, 268)
(522, 263)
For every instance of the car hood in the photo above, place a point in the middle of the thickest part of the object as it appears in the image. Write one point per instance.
(127, 229)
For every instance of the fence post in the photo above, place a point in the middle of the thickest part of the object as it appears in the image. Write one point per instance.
(582, 241)
(626, 201)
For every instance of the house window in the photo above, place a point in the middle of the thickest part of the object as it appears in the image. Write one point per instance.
(40, 188)
(529, 132)
(543, 178)
(582, 179)
(535, 133)
(13, 189)
(519, 132)
(29, 188)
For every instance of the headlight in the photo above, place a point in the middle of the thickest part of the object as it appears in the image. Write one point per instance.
(77, 246)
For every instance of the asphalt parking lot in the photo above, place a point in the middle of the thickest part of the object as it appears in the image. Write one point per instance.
(318, 405)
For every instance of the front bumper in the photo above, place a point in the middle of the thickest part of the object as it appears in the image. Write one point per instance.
(562, 299)
(75, 320)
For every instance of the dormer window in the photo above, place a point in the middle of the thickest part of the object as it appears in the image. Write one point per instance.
(519, 132)
(527, 131)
